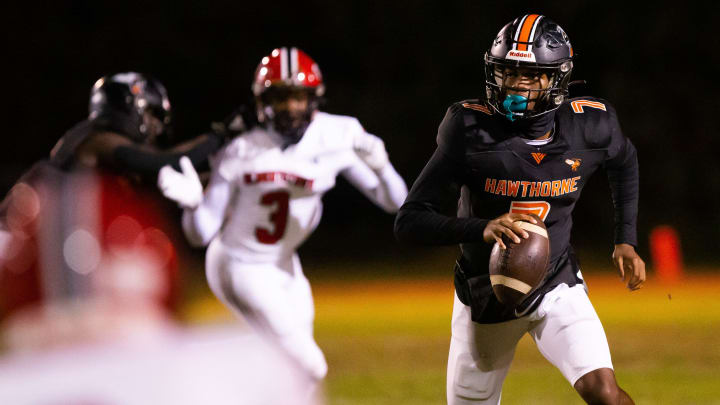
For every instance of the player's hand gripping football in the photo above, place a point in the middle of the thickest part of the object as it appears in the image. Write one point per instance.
(505, 225)
(183, 187)
(630, 266)
(371, 150)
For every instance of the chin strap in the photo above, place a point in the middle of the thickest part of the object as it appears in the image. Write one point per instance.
(514, 104)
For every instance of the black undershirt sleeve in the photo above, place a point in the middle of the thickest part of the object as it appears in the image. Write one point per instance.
(148, 163)
(624, 178)
(429, 214)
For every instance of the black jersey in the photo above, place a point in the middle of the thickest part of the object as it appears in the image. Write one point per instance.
(63, 154)
(482, 170)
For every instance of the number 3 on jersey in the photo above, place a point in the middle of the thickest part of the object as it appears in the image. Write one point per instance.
(278, 217)
(539, 208)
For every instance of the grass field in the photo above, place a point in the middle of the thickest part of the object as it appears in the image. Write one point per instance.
(386, 341)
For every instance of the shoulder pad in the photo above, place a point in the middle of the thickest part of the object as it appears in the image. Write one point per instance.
(480, 122)
(469, 114)
(340, 123)
(336, 131)
(594, 117)
(476, 107)
(247, 144)
(469, 125)
(63, 153)
(581, 105)
(233, 155)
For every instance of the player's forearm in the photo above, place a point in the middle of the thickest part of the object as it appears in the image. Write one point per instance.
(425, 217)
(392, 190)
(148, 162)
(203, 222)
(419, 224)
(185, 147)
(200, 148)
(200, 226)
(625, 186)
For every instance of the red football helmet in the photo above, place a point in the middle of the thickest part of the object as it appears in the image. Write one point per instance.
(289, 67)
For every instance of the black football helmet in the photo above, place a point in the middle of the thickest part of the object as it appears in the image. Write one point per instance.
(535, 43)
(120, 101)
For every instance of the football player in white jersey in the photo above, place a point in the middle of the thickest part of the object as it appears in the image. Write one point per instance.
(264, 199)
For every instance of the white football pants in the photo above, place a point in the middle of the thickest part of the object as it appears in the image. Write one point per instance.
(565, 328)
(274, 298)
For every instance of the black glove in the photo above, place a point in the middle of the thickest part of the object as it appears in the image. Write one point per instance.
(242, 119)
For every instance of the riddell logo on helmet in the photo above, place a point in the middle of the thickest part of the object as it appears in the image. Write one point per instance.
(521, 55)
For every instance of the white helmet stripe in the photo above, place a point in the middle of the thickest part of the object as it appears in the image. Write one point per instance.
(517, 32)
(284, 73)
(294, 63)
(532, 32)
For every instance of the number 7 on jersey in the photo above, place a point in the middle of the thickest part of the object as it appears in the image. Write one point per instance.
(539, 208)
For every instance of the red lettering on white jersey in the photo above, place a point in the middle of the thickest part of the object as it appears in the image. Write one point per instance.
(272, 177)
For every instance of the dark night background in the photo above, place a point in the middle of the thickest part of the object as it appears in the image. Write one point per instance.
(397, 66)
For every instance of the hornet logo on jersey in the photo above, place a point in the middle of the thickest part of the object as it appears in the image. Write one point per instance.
(574, 163)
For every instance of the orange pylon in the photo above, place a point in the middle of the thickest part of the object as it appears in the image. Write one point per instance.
(666, 253)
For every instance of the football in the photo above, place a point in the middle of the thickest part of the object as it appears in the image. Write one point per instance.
(517, 270)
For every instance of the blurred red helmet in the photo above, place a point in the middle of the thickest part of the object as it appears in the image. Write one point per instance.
(288, 67)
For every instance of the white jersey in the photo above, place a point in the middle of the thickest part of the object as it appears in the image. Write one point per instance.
(262, 202)
(273, 197)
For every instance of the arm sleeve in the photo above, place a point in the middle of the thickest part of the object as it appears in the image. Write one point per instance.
(385, 188)
(147, 162)
(429, 215)
(624, 179)
(204, 222)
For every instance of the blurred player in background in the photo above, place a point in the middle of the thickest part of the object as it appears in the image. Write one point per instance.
(90, 206)
(129, 114)
(88, 276)
(265, 198)
(524, 149)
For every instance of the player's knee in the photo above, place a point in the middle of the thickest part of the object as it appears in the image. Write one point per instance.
(319, 369)
(312, 360)
(467, 384)
(599, 387)
(316, 365)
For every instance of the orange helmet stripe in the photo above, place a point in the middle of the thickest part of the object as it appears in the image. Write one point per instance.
(525, 30)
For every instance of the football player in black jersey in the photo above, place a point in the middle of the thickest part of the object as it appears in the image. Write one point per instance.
(525, 148)
(129, 112)
(116, 147)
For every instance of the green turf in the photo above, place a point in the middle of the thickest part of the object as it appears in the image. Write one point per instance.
(399, 369)
(386, 342)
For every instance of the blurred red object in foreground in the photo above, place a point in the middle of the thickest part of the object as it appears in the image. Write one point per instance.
(85, 235)
(666, 253)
